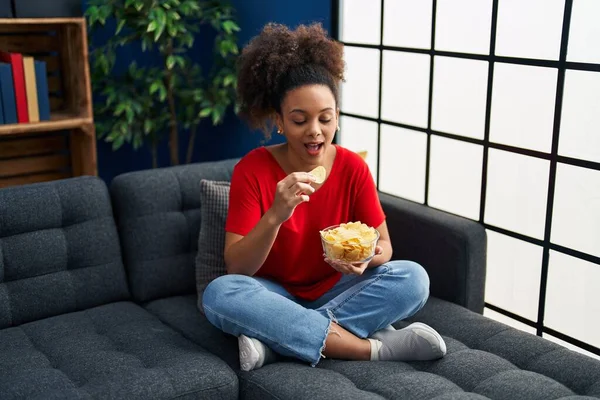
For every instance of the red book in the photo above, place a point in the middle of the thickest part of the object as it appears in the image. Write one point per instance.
(16, 62)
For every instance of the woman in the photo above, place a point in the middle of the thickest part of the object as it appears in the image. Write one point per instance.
(281, 294)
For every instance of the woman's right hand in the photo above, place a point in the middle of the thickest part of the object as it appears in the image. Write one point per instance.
(291, 191)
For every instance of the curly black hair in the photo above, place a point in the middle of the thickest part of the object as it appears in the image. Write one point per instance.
(280, 59)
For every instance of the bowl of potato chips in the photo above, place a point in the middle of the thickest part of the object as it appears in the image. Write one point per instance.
(352, 242)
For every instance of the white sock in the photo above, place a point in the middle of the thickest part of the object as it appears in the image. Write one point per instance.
(375, 346)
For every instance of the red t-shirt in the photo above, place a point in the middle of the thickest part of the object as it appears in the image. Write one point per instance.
(296, 258)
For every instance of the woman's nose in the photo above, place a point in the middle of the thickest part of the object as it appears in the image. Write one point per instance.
(314, 129)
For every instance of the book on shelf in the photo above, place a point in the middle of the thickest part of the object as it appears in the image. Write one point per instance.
(7, 94)
(31, 89)
(6, 9)
(16, 62)
(43, 95)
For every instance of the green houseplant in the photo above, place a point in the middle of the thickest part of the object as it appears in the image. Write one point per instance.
(146, 103)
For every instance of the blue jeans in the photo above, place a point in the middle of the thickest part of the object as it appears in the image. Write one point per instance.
(262, 309)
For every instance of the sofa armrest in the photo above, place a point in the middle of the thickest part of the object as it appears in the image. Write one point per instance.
(452, 249)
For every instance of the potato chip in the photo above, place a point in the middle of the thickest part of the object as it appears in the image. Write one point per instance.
(351, 242)
(319, 173)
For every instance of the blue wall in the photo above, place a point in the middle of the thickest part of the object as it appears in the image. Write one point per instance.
(232, 138)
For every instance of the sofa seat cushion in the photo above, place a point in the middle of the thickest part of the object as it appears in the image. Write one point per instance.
(182, 314)
(485, 360)
(112, 351)
(495, 360)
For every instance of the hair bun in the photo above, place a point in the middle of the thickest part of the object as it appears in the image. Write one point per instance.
(270, 56)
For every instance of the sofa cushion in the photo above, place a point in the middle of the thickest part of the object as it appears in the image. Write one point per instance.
(485, 360)
(210, 263)
(158, 217)
(551, 368)
(111, 351)
(181, 313)
(290, 380)
(59, 250)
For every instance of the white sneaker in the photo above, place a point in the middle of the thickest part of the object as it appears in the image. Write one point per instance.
(253, 353)
(416, 342)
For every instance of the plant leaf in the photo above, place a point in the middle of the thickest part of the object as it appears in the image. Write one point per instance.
(230, 26)
(154, 86)
(162, 93)
(161, 18)
(120, 26)
(171, 62)
(120, 109)
(229, 79)
(118, 142)
(112, 136)
(130, 114)
(147, 126)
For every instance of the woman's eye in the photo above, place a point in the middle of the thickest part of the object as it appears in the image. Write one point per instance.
(323, 121)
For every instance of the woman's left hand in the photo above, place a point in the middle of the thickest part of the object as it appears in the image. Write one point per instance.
(347, 268)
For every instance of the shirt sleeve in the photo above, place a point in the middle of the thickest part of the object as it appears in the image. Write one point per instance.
(244, 201)
(367, 207)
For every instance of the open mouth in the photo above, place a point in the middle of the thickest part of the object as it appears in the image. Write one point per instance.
(313, 147)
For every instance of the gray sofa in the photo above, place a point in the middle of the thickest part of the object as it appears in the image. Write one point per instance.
(97, 300)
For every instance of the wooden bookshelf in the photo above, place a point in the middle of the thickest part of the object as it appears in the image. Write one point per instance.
(65, 145)
(58, 121)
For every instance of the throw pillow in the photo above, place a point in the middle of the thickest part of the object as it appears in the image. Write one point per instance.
(210, 262)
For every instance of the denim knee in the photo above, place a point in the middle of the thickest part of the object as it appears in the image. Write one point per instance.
(415, 285)
(218, 291)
